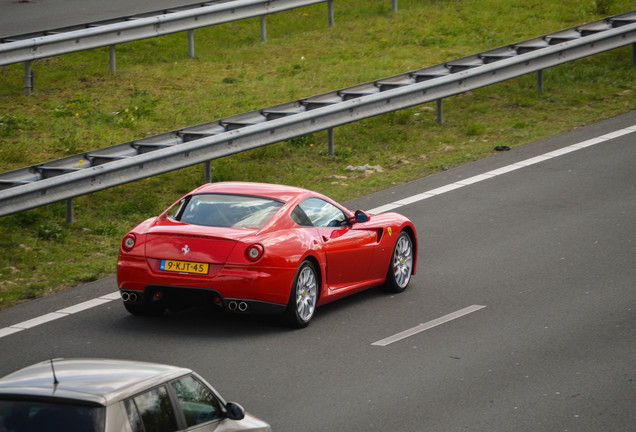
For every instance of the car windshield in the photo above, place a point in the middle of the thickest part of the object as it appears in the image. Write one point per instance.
(221, 210)
(42, 416)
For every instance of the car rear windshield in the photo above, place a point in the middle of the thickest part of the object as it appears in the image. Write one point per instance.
(43, 416)
(221, 210)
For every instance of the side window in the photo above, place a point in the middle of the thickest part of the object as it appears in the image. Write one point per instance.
(198, 403)
(151, 411)
(133, 416)
(299, 216)
(175, 211)
(323, 214)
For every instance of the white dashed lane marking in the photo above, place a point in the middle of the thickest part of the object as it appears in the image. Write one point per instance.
(500, 171)
(24, 325)
(426, 326)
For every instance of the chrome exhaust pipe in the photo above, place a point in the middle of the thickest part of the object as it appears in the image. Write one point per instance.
(232, 305)
(129, 297)
(242, 306)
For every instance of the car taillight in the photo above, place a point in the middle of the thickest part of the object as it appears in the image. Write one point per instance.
(254, 252)
(129, 242)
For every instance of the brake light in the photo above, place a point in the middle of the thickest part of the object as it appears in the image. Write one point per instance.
(128, 242)
(254, 252)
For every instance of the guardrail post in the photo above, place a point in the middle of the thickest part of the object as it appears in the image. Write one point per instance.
(113, 59)
(28, 78)
(331, 151)
(191, 43)
(540, 81)
(330, 12)
(208, 172)
(263, 28)
(634, 54)
(440, 111)
(69, 210)
(394, 5)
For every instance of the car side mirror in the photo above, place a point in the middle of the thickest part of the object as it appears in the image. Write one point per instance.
(234, 411)
(362, 216)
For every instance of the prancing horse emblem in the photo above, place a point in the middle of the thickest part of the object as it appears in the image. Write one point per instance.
(185, 249)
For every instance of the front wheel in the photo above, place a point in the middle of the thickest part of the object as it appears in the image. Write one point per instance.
(401, 266)
(304, 295)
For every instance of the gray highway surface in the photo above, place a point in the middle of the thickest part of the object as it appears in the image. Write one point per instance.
(546, 253)
(27, 16)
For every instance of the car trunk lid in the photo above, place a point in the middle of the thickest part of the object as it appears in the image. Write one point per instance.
(175, 241)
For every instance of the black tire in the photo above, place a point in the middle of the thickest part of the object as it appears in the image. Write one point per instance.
(303, 297)
(400, 269)
(143, 309)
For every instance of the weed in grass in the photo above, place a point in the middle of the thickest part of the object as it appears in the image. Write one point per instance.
(12, 154)
(303, 141)
(67, 141)
(11, 124)
(474, 129)
(50, 230)
(107, 230)
(602, 7)
(31, 291)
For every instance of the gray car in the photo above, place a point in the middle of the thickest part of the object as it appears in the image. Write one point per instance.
(98, 395)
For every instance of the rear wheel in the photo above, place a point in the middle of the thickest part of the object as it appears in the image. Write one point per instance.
(304, 295)
(401, 266)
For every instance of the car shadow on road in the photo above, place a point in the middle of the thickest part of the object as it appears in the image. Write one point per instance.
(212, 322)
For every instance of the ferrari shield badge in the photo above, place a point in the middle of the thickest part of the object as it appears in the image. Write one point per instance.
(389, 231)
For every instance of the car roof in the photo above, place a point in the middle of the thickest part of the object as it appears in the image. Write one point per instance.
(280, 192)
(99, 381)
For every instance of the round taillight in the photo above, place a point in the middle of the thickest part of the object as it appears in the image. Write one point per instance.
(129, 242)
(254, 252)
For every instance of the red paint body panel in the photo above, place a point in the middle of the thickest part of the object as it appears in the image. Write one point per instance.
(349, 258)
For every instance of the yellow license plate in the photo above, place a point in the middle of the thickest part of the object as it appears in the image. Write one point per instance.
(184, 267)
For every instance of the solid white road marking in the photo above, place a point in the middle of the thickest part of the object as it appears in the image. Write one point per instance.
(59, 314)
(387, 207)
(86, 305)
(429, 325)
(502, 170)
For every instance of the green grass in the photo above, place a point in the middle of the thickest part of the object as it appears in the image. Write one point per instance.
(78, 106)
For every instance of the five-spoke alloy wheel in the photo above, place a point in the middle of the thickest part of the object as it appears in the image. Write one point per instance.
(304, 295)
(401, 265)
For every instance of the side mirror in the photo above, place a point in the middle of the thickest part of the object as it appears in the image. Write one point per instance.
(234, 411)
(362, 216)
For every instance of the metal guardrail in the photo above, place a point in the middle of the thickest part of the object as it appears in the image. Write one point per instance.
(88, 172)
(33, 46)
(51, 43)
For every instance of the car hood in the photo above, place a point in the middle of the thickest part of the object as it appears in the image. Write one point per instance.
(177, 241)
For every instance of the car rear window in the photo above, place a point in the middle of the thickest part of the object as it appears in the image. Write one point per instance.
(221, 210)
(43, 416)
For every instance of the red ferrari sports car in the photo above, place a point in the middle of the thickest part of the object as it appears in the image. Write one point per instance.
(261, 248)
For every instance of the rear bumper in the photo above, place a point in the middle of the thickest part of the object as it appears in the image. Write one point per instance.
(263, 288)
(180, 297)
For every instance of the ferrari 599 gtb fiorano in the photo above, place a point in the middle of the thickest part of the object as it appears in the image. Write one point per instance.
(261, 248)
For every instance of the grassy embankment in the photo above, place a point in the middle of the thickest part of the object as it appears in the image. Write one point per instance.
(79, 106)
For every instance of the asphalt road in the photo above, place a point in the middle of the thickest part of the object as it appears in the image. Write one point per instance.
(29, 16)
(548, 250)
